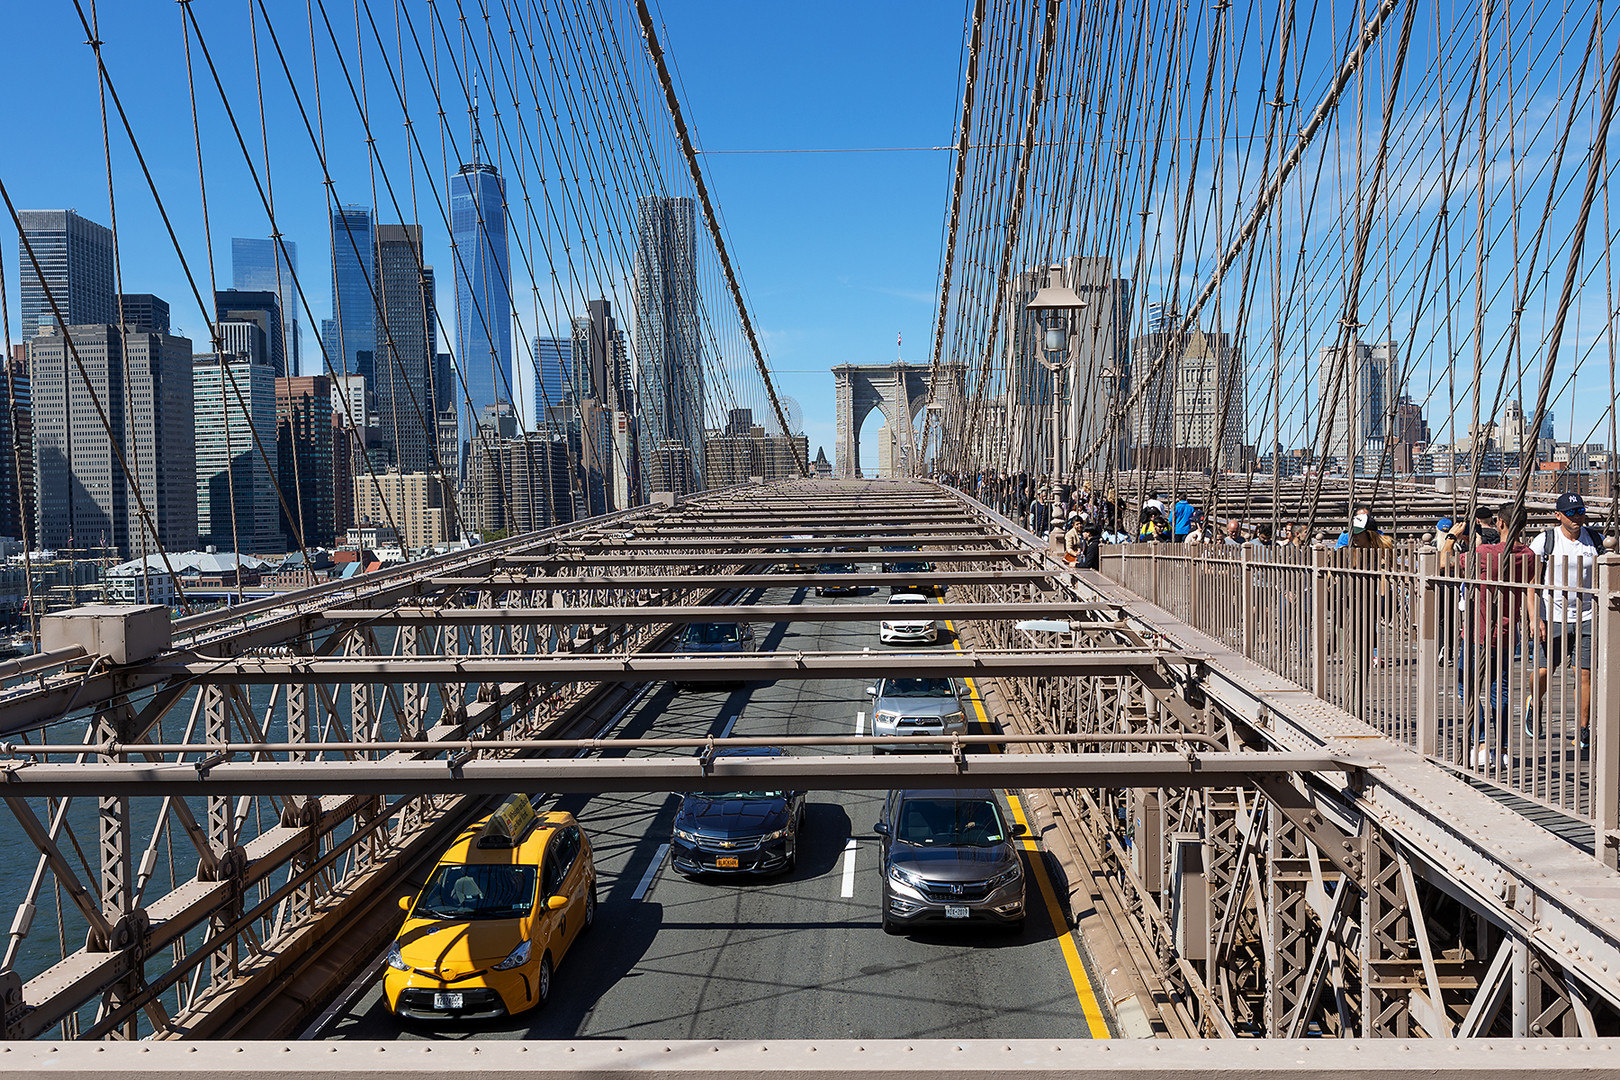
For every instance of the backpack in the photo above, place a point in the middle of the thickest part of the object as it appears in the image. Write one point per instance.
(1587, 533)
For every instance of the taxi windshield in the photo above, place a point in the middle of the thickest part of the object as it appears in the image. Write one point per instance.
(711, 633)
(477, 891)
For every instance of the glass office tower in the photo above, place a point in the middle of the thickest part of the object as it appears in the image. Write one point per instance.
(354, 307)
(253, 269)
(483, 285)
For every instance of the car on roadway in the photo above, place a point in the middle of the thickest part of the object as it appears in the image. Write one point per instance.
(911, 707)
(900, 630)
(949, 856)
(499, 912)
(801, 558)
(834, 587)
(920, 570)
(753, 831)
(713, 639)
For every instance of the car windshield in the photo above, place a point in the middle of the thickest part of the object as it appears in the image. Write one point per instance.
(744, 795)
(462, 891)
(917, 688)
(837, 568)
(950, 823)
(912, 568)
(711, 633)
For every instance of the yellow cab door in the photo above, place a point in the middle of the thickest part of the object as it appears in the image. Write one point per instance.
(554, 928)
(575, 877)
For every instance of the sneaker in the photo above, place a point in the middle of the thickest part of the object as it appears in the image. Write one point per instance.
(1584, 741)
(1482, 758)
(1530, 726)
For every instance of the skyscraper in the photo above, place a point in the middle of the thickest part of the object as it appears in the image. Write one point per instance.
(1354, 403)
(17, 490)
(669, 356)
(305, 460)
(143, 381)
(552, 385)
(75, 268)
(1191, 413)
(254, 269)
(263, 309)
(404, 375)
(483, 281)
(351, 344)
(143, 311)
(235, 402)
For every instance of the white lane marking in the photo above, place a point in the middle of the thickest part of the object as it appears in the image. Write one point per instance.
(726, 732)
(860, 723)
(652, 872)
(849, 870)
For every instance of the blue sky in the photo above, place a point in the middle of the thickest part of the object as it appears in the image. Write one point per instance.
(839, 252)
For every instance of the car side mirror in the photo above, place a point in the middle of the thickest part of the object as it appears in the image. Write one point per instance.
(871, 691)
(881, 829)
(556, 903)
(405, 903)
(1019, 829)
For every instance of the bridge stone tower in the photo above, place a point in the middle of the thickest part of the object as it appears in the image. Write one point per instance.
(899, 391)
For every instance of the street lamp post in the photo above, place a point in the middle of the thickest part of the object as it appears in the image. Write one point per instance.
(1054, 306)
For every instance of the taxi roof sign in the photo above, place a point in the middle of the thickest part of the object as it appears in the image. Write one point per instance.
(509, 824)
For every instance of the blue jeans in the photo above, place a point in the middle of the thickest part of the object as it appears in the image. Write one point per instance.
(1485, 669)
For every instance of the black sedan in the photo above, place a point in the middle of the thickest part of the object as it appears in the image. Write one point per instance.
(738, 832)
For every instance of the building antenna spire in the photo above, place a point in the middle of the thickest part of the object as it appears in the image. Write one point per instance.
(475, 135)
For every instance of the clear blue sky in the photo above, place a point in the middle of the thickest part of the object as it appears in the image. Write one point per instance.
(839, 252)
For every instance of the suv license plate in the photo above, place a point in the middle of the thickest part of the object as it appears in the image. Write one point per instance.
(726, 862)
(956, 911)
(447, 1001)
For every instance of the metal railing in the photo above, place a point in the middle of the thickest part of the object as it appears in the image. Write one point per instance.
(1464, 664)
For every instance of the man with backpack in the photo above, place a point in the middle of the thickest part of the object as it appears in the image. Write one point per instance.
(1562, 621)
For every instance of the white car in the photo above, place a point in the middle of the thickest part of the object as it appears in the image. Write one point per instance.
(909, 631)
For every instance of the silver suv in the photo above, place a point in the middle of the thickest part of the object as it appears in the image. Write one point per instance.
(949, 856)
(908, 707)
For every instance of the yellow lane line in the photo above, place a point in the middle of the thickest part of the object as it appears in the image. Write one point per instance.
(1089, 1006)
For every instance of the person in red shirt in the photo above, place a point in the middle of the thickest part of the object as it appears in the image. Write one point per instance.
(1491, 617)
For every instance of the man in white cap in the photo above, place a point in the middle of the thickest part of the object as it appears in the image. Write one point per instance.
(1561, 622)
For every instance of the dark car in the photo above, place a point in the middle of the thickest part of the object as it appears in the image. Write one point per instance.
(738, 832)
(949, 856)
(713, 639)
(922, 574)
(836, 588)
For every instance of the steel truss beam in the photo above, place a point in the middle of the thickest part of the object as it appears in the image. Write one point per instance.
(864, 1059)
(820, 772)
(508, 582)
(757, 555)
(640, 667)
(758, 613)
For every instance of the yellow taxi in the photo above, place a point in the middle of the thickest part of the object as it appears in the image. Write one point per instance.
(485, 935)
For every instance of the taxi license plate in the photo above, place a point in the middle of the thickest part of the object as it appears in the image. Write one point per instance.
(726, 862)
(955, 911)
(451, 1000)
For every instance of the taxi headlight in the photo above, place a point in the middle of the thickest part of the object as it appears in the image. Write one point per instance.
(516, 958)
(395, 960)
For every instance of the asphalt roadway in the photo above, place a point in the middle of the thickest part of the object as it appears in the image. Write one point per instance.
(799, 956)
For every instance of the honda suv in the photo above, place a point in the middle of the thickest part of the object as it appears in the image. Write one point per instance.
(949, 856)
